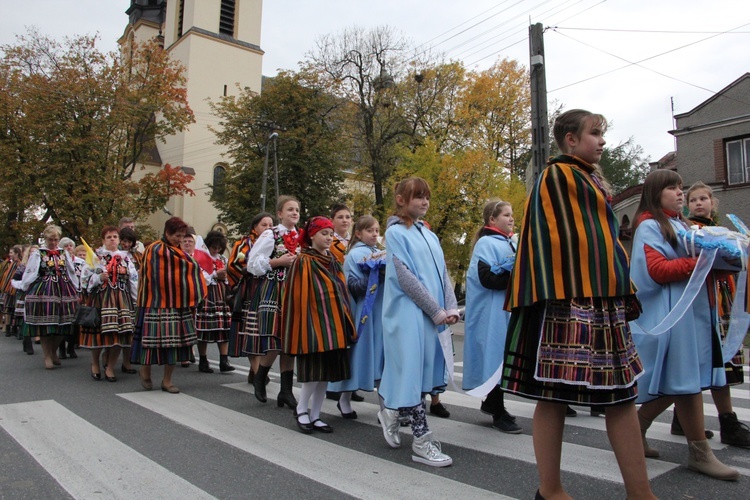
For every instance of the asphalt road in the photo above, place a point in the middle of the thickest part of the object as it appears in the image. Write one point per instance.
(63, 435)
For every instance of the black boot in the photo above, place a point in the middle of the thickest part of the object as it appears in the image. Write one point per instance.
(7, 330)
(734, 432)
(203, 365)
(224, 365)
(286, 396)
(28, 346)
(62, 353)
(71, 348)
(260, 387)
(494, 404)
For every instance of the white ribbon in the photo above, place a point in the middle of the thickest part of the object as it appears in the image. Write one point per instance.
(696, 282)
(739, 322)
(479, 392)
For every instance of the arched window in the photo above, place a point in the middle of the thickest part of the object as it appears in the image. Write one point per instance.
(219, 186)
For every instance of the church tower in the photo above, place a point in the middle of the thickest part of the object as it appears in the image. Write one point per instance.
(218, 43)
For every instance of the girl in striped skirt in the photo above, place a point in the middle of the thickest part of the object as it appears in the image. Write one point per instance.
(245, 283)
(213, 317)
(269, 260)
(52, 299)
(570, 297)
(112, 289)
(317, 325)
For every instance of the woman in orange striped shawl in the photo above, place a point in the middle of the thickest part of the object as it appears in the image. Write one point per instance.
(317, 324)
(170, 287)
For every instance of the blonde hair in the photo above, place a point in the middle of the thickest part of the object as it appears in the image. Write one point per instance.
(364, 222)
(714, 201)
(52, 230)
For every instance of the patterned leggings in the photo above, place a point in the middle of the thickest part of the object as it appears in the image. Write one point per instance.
(417, 416)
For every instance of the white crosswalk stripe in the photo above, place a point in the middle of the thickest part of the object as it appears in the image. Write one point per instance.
(127, 474)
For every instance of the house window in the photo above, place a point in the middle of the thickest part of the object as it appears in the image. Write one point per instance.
(226, 17)
(219, 184)
(738, 160)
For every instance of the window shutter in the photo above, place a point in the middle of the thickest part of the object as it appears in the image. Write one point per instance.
(720, 167)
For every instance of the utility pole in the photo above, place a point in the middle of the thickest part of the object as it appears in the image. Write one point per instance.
(539, 118)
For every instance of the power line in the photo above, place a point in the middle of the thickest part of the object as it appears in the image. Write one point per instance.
(642, 60)
(678, 32)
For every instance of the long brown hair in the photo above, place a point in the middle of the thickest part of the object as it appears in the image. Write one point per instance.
(492, 208)
(364, 222)
(408, 189)
(656, 182)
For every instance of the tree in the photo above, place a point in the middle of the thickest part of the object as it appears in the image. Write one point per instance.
(461, 183)
(77, 124)
(624, 165)
(495, 114)
(311, 155)
(364, 68)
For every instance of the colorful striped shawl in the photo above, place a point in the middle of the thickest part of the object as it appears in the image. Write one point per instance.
(569, 244)
(338, 250)
(315, 313)
(237, 267)
(170, 278)
(7, 271)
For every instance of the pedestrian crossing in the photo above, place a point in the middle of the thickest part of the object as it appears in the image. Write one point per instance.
(355, 462)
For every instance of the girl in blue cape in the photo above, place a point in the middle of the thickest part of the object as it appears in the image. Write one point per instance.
(487, 279)
(686, 359)
(364, 267)
(418, 300)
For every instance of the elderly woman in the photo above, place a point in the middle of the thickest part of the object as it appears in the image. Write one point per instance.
(171, 286)
(52, 297)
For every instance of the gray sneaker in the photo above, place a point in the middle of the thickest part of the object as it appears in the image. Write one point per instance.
(428, 452)
(390, 424)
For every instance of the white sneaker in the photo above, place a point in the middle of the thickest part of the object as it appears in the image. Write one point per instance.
(389, 423)
(428, 452)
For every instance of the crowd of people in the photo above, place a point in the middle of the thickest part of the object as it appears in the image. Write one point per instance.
(559, 315)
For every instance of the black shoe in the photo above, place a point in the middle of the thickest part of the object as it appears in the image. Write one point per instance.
(286, 396)
(224, 366)
(72, 351)
(306, 428)
(110, 379)
(439, 410)
(131, 371)
(62, 354)
(357, 397)
(250, 375)
(28, 346)
(334, 396)
(733, 432)
(676, 428)
(504, 423)
(96, 376)
(570, 412)
(351, 415)
(323, 427)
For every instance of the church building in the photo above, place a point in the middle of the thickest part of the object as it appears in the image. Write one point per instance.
(218, 43)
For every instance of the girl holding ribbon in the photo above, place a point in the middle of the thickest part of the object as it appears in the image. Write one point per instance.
(684, 360)
(418, 302)
(364, 267)
(316, 322)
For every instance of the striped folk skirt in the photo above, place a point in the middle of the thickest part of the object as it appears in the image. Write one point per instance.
(163, 336)
(213, 318)
(577, 352)
(238, 339)
(50, 307)
(328, 366)
(262, 319)
(115, 307)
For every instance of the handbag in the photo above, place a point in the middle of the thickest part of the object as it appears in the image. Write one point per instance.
(87, 317)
